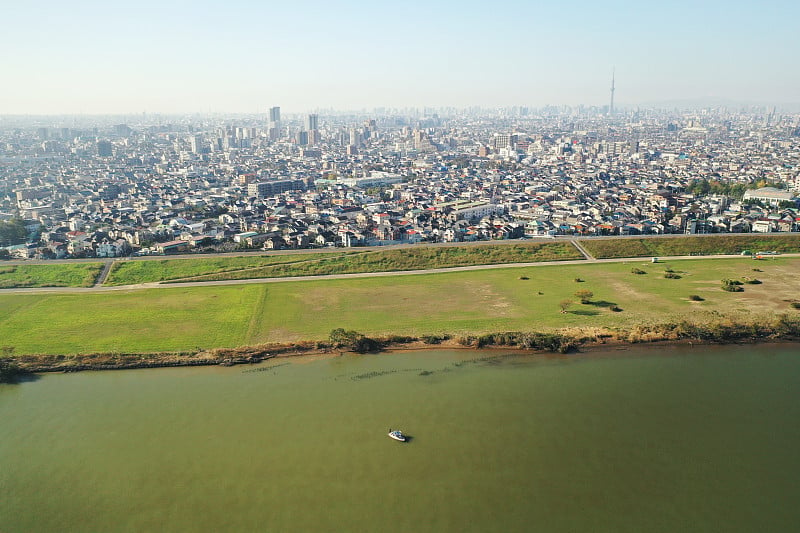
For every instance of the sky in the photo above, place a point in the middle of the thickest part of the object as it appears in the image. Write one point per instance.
(180, 56)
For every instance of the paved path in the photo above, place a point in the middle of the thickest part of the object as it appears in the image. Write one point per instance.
(582, 250)
(104, 273)
(162, 285)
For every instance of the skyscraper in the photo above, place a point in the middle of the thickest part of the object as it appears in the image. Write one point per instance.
(105, 149)
(274, 130)
(196, 144)
(274, 114)
(312, 123)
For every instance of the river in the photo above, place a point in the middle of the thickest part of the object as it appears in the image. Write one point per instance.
(643, 439)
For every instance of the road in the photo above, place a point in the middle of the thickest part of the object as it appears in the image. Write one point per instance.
(163, 285)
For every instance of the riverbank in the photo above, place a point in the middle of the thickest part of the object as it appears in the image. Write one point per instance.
(724, 331)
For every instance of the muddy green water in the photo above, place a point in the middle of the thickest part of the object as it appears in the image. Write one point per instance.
(667, 439)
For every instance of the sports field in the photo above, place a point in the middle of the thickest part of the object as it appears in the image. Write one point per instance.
(187, 318)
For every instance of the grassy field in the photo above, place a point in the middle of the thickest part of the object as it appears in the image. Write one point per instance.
(418, 258)
(671, 246)
(185, 318)
(56, 275)
(144, 321)
(150, 270)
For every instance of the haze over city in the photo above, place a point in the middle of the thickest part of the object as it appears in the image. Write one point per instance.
(96, 58)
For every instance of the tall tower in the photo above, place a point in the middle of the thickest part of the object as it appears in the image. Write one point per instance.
(274, 130)
(274, 114)
(611, 107)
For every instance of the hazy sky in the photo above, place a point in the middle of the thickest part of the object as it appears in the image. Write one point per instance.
(238, 56)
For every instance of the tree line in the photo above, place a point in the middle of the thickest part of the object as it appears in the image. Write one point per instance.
(704, 187)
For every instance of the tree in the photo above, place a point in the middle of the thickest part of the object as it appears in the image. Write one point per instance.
(353, 340)
(585, 296)
(12, 232)
(339, 337)
(564, 305)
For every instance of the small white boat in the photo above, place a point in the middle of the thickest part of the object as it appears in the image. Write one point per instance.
(397, 435)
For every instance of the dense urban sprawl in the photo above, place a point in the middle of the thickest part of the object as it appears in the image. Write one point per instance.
(116, 186)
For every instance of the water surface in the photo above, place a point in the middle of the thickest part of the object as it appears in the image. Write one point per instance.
(666, 439)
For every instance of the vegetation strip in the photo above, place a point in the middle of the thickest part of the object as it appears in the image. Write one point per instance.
(152, 270)
(478, 302)
(782, 327)
(696, 245)
(422, 258)
(354, 261)
(54, 275)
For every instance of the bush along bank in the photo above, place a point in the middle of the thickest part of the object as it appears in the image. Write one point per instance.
(723, 331)
(10, 371)
(547, 342)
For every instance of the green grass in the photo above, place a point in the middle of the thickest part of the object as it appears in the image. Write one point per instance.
(141, 321)
(184, 318)
(320, 263)
(417, 258)
(55, 275)
(672, 246)
(149, 270)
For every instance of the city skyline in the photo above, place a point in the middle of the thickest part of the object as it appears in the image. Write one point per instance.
(185, 57)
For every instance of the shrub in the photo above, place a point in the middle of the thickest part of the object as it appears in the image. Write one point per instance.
(524, 277)
(353, 340)
(637, 271)
(671, 275)
(365, 344)
(616, 308)
(578, 280)
(9, 371)
(795, 305)
(696, 298)
(467, 340)
(585, 296)
(434, 339)
(551, 342)
(732, 285)
(753, 281)
(397, 339)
